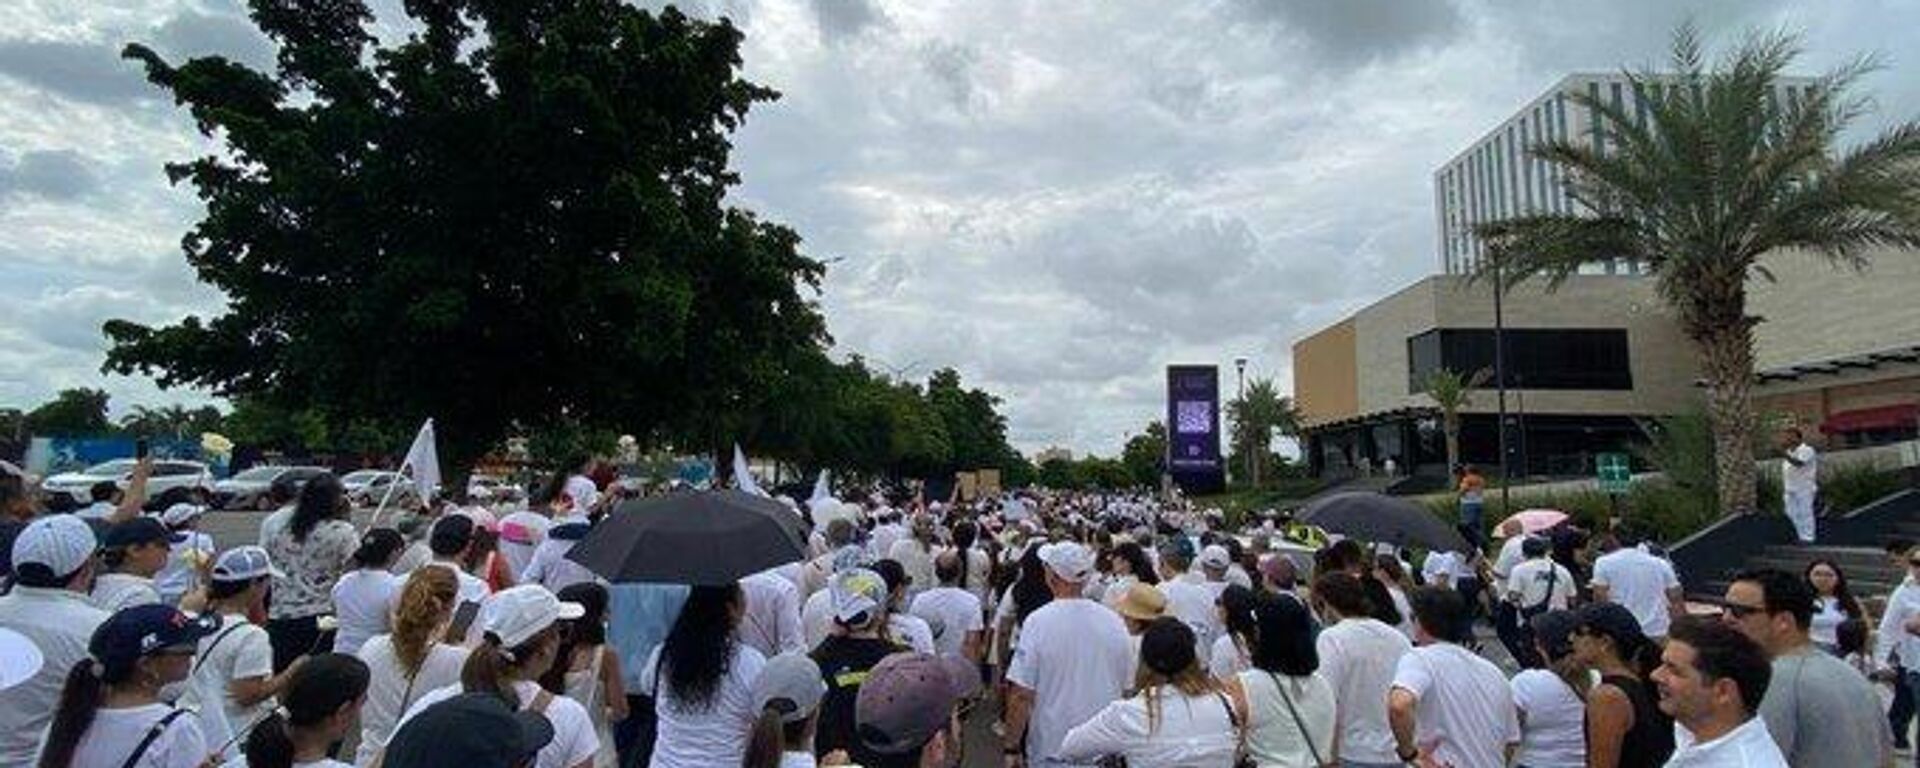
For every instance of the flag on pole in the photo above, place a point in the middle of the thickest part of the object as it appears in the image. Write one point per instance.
(821, 490)
(742, 478)
(425, 461)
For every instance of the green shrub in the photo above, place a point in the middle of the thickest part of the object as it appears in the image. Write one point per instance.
(1850, 487)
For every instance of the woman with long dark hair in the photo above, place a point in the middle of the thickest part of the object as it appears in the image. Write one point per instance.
(110, 712)
(319, 708)
(1232, 651)
(1291, 713)
(1833, 603)
(1552, 701)
(311, 553)
(1625, 727)
(1179, 717)
(701, 677)
(976, 572)
(1129, 565)
(588, 671)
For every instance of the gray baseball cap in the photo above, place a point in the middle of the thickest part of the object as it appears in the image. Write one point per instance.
(792, 685)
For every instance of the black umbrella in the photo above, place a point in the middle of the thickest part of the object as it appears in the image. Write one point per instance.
(708, 538)
(1378, 517)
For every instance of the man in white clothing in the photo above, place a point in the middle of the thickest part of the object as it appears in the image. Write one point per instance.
(1712, 679)
(1642, 583)
(952, 612)
(1448, 706)
(771, 623)
(1358, 655)
(1799, 481)
(1188, 598)
(52, 566)
(1072, 659)
(1539, 584)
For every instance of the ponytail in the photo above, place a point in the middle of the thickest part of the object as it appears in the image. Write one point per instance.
(270, 743)
(765, 742)
(80, 698)
(323, 685)
(487, 668)
(424, 605)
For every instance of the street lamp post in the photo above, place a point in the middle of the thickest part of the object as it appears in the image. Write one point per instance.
(1240, 376)
(1500, 376)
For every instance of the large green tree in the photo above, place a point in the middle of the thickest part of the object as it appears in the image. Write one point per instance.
(1730, 163)
(175, 421)
(514, 217)
(1145, 454)
(1255, 416)
(72, 412)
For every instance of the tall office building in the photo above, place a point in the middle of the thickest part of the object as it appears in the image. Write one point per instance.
(1496, 178)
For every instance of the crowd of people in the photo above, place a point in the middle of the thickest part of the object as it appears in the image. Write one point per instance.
(1076, 629)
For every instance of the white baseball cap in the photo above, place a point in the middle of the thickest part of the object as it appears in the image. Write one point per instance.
(179, 514)
(244, 563)
(59, 543)
(516, 614)
(1068, 560)
(20, 659)
(856, 591)
(1215, 557)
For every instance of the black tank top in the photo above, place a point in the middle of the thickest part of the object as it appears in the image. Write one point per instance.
(1649, 742)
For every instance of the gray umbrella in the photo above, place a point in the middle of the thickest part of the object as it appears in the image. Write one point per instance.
(707, 538)
(1378, 517)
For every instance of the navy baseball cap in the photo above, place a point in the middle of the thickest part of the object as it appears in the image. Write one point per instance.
(135, 532)
(143, 630)
(470, 730)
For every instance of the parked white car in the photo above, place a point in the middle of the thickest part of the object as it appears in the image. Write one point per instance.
(69, 490)
(367, 487)
(252, 488)
(488, 489)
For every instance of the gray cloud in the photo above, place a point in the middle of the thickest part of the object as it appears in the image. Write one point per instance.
(1354, 32)
(192, 33)
(88, 72)
(55, 175)
(840, 20)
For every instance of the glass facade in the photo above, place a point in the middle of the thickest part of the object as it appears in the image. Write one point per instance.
(1536, 358)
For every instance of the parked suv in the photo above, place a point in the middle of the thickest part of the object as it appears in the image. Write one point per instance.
(252, 488)
(71, 490)
(367, 487)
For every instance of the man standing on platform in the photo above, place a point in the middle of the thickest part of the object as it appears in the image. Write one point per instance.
(1799, 481)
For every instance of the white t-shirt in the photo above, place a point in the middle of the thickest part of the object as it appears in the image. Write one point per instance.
(1075, 657)
(1511, 554)
(1804, 478)
(114, 734)
(551, 568)
(1226, 658)
(916, 561)
(952, 612)
(389, 694)
(239, 650)
(1443, 569)
(716, 736)
(1191, 731)
(1639, 582)
(181, 573)
(1274, 730)
(1531, 579)
(772, 621)
(363, 603)
(1358, 657)
(911, 631)
(1192, 603)
(1554, 735)
(1464, 711)
(1827, 617)
(574, 740)
(114, 591)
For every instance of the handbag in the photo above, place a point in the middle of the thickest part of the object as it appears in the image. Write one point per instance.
(1297, 722)
(1240, 757)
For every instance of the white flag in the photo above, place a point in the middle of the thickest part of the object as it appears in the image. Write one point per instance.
(821, 490)
(743, 479)
(425, 461)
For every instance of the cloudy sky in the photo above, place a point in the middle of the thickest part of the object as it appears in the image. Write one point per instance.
(1057, 198)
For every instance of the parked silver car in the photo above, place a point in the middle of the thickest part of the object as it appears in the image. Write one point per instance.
(367, 487)
(252, 488)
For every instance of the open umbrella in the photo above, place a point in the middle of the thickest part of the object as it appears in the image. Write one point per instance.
(1378, 517)
(1531, 521)
(705, 538)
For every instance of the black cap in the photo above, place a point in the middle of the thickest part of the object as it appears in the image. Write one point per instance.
(134, 532)
(470, 730)
(1614, 621)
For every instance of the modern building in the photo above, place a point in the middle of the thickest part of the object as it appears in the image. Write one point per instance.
(1585, 366)
(1497, 178)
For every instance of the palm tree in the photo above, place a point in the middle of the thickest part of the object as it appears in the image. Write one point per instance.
(1723, 170)
(1256, 416)
(1452, 392)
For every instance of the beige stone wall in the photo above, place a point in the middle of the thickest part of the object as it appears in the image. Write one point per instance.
(1380, 345)
(1325, 387)
(1813, 311)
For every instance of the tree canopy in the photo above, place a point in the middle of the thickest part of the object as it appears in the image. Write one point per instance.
(516, 216)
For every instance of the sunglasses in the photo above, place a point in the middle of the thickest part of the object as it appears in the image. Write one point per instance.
(1739, 611)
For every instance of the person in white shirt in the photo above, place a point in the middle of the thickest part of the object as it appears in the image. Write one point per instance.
(1214, 562)
(322, 702)
(111, 711)
(702, 681)
(1645, 584)
(1712, 679)
(550, 567)
(52, 565)
(1358, 655)
(788, 694)
(1799, 481)
(915, 554)
(132, 552)
(1178, 718)
(363, 597)
(188, 552)
(232, 684)
(1539, 584)
(1232, 651)
(885, 534)
(520, 640)
(1552, 700)
(521, 532)
(1188, 598)
(1448, 705)
(451, 540)
(1897, 643)
(772, 621)
(1290, 710)
(106, 498)
(410, 661)
(954, 613)
(1072, 659)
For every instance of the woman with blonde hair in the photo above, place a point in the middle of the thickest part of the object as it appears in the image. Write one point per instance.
(1179, 717)
(412, 659)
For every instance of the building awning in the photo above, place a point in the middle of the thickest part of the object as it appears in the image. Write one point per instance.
(1835, 365)
(1883, 417)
